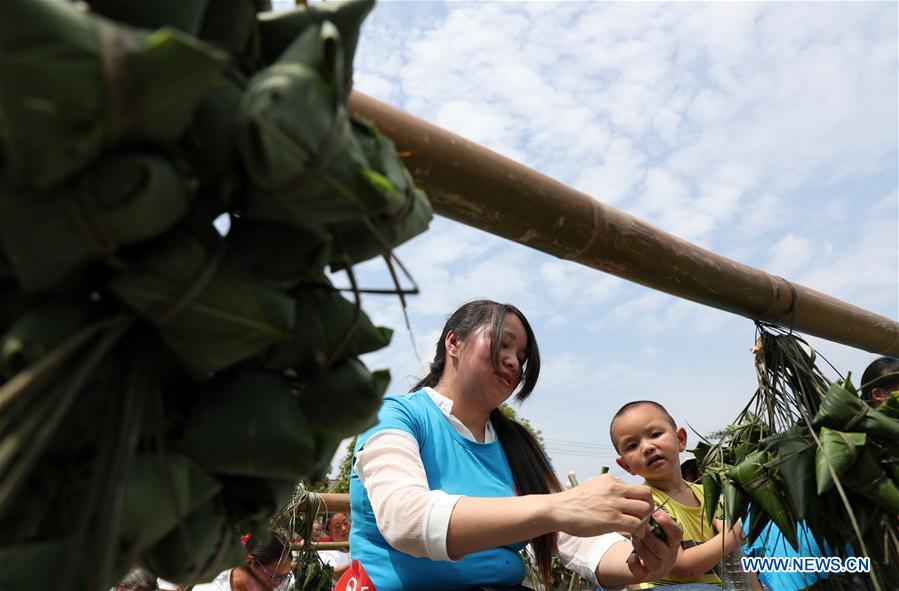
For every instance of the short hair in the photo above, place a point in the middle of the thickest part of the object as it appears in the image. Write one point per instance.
(881, 373)
(631, 405)
(137, 578)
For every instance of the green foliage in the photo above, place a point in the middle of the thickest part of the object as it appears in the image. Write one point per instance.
(511, 414)
(342, 482)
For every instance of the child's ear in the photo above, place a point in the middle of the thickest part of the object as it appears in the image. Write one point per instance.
(681, 439)
(624, 466)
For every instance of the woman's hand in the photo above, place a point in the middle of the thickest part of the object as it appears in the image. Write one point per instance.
(653, 557)
(602, 505)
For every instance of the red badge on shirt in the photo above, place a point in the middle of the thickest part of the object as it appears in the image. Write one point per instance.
(354, 579)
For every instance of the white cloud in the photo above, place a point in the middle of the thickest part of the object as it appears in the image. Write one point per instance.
(765, 131)
(789, 254)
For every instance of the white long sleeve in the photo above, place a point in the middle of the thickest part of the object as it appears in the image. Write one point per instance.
(415, 520)
(412, 518)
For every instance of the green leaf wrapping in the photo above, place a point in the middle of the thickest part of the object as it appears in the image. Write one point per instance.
(307, 169)
(212, 136)
(363, 240)
(279, 29)
(711, 490)
(24, 568)
(736, 503)
(75, 83)
(231, 24)
(160, 492)
(328, 327)
(753, 477)
(202, 546)
(280, 254)
(186, 15)
(845, 411)
(700, 452)
(346, 398)
(124, 198)
(251, 424)
(890, 406)
(797, 459)
(840, 450)
(39, 330)
(868, 478)
(208, 313)
(13, 303)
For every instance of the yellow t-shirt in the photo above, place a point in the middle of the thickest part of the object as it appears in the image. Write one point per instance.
(696, 531)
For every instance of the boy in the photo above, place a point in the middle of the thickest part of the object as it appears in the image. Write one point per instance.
(648, 443)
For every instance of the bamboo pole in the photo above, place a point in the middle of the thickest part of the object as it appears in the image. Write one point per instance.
(476, 186)
(331, 503)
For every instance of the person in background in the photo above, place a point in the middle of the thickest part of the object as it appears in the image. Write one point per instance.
(446, 490)
(879, 379)
(137, 579)
(268, 567)
(317, 532)
(649, 443)
(339, 531)
(690, 472)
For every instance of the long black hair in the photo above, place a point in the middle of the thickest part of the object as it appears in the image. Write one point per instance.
(531, 470)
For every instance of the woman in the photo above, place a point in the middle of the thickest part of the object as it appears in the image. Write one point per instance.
(446, 490)
(338, 531)
(268, 567)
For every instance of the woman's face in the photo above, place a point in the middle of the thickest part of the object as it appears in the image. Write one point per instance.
(269, 576)
(476, 368)
(339, 528)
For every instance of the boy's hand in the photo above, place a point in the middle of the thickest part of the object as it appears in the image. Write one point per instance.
(732, 537)
(653, 557)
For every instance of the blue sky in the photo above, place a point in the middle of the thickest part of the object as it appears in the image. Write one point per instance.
(766, 132)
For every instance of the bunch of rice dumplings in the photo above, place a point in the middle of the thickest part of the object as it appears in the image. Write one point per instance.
(176, 179)
(808, 455)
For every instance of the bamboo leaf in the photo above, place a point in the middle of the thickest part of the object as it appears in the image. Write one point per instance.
(839, 450)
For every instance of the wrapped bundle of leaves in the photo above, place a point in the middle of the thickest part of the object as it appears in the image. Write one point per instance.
(309, 170)
(209, 314)
(71, 87)
(328, 328)
(395, 223)
(808, 453)
(124, 198)
(163, 385)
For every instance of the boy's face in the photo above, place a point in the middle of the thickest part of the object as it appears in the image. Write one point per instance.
(648, 445)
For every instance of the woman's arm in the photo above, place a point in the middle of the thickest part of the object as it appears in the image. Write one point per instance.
(411, 517)
(601, 505)
(421, 522)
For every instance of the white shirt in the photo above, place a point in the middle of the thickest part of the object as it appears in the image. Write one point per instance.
(223, 583)
(336, 558)
(415, 519)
